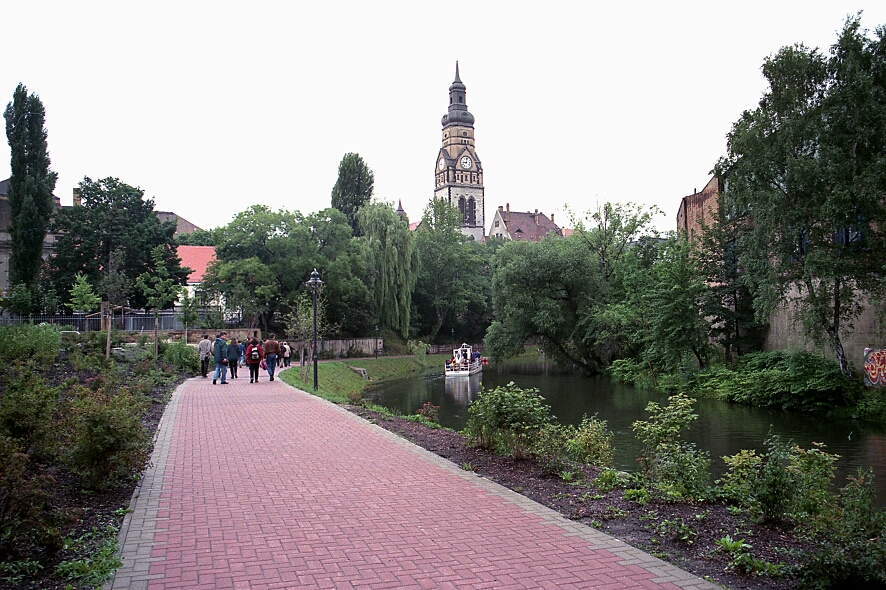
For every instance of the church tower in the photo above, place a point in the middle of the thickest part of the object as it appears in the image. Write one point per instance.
(458, 172)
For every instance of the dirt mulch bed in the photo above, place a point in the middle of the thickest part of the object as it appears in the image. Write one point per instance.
(653, 527)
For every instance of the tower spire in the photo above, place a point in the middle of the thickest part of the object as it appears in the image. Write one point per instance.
(458, 108)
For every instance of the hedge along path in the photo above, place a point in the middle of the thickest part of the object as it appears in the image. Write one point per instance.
(265, 486)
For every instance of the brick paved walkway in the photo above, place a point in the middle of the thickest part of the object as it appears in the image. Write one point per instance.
(264, 486)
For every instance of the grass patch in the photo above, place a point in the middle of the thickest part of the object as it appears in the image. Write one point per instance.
(336, 381)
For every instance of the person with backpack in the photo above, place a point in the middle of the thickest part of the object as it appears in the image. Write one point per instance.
(255, 354)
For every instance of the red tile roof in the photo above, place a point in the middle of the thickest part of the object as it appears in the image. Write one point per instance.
(197, 258)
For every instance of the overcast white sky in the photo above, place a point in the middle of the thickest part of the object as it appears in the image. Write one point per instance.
(211, 107)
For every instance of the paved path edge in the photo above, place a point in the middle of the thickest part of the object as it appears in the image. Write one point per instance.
(136, 535)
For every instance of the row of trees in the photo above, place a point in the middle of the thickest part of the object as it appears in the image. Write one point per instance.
(804, 179)
(800, 222)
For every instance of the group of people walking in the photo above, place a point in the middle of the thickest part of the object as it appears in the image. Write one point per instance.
(254, 354)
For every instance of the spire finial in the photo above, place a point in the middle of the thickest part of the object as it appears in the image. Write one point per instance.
(457, 79)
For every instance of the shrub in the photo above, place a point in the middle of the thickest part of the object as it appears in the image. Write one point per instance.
(851, 550)
(507, 419)
(812, 471)
(106, 437)
(551, 448)
(38, 343)
(591, 442)
(182, 357)
(27, 406)
(790, 380)
(738, 483)
(429, 412)
(25, 501)
(676, 468)
(775, 487)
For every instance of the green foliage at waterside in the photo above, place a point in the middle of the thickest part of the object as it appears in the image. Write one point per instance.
(798, 381)
(508, 419)
(805, 172)
(339, 383)
(672, 466)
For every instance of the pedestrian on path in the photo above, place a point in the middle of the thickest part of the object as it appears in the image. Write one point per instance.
(204, 351)
(220, 354)
(287, 354)
(254, 356)
(233, 357)
(272, 350)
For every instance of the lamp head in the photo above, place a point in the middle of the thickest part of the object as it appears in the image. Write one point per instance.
(315, 279)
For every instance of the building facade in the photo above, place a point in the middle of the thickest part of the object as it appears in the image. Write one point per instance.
(458, 172)
(529, 227)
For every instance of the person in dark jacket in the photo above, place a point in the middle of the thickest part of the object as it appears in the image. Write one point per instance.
(255, 354)
(233, 357)
(220, 354)
(272, 350)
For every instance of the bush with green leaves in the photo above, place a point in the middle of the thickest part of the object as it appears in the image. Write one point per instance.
(674, 467)
(26, 512)
(105, 436)
(591, 442)
(850, 550)
(23, 343)
(508, 419)
(738, 484)
(799, 381)
(27, 407)
(182, 357)
(775, 487)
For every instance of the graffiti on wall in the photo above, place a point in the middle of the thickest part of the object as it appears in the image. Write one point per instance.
(874, 367)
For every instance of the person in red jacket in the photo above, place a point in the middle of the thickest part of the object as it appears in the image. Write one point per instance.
(255, 354)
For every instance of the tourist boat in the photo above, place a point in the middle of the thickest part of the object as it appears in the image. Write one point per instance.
(464, 362)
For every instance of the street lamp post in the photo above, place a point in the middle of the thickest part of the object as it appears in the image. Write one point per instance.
(376, 342)
(314, 283)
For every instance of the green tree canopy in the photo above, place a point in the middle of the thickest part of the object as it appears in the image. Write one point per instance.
(113, 217)
(569, 294)
(451, 279)
(264, 257)
(807, 168)
(353, 189)
(31, 184)
(392, 264)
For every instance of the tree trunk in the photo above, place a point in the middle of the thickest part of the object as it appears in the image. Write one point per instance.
(110, 319)
(156, 333)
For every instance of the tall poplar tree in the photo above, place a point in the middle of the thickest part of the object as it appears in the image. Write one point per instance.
(30, 185)
(353, 189)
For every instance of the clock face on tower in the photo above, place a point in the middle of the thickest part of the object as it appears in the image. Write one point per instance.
(466, 162)
(442, 164)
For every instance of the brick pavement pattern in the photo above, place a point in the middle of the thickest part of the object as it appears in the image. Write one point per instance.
(264, 486)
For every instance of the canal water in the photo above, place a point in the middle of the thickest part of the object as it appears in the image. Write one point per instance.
(722, 428)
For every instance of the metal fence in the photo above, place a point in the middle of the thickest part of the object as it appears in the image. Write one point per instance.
(127, 322)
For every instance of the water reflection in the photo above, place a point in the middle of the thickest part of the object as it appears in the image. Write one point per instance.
(462, 389)
(721, 429)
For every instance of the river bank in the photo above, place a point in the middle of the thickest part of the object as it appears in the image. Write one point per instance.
(710, 539)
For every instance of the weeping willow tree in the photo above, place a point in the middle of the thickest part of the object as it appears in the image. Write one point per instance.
(391, 261)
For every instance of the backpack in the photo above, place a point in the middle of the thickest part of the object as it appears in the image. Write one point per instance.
(254, 355)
